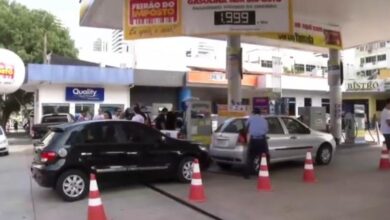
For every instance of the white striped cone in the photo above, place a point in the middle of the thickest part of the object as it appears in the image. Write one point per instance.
(264, 181)
(196, 190)
(95, 205)
(308, 174)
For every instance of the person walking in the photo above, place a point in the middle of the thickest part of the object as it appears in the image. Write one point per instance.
(257, 131)
(138, 115)
(385, 123)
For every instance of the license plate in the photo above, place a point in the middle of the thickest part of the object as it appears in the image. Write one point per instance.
(223, 143)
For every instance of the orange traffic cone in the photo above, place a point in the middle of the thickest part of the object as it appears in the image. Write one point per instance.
(384, 163)
(95, 205)
(308, 174)
(197, 190)
(264, 182)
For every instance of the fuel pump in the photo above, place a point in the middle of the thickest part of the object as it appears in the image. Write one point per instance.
(360, 122)
(350, 128)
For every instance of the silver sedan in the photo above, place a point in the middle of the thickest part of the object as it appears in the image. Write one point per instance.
(288, 139)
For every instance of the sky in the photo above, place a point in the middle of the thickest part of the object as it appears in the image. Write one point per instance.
(67, 11)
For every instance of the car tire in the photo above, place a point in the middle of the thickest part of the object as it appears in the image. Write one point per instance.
(72, 185)
(184, 169)
(324, 154)
(225, 166)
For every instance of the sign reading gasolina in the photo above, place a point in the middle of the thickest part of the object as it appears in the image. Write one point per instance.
(163, 18)
(12, 72)
(84, 94)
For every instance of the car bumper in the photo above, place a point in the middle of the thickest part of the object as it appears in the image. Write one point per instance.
(45, 178)
(4, 149)
(235, 155)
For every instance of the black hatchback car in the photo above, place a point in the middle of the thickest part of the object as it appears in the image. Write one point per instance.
(69, 152)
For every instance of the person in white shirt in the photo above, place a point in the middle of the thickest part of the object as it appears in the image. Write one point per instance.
(100, 115)
(385, 123)
(138, 115)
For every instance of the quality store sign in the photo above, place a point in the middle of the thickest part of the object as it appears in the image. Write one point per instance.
(165, 18)
(84, 94)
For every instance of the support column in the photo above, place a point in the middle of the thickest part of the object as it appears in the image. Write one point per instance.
(233, 69)
(335, 93)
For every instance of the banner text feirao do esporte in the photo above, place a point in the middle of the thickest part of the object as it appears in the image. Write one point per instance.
(163, 18)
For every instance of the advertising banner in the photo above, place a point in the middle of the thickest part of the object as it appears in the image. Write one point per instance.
(310, 33)
(164, 18)
(12, 71)
(239, 16)
(84, 94)
(217, 78)
(148, 19)
(377, 85)
(261, 103)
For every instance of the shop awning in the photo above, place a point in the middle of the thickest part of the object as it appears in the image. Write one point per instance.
(84, 75)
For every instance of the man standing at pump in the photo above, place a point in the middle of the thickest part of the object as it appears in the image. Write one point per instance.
(257, 131)
(385, 123)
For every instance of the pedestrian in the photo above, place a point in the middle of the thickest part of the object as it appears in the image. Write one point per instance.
(138, 115)
(385, 123)
(257, 131)
(117, 114)
(100, 115)
(83, 116)
(16, 125)
(171, 121)
(161, 119)
(107, 115)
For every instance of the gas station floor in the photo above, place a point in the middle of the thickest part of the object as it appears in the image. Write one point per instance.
(351, 187)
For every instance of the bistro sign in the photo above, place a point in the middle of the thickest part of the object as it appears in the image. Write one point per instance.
(365, 86)
(84, 94)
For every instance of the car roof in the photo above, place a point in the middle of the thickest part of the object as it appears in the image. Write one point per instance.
(75, 124)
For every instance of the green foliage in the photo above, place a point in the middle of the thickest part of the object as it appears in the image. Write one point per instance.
(22, 30)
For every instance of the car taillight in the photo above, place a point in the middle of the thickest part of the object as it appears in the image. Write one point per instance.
(48, 156)
(241, 139)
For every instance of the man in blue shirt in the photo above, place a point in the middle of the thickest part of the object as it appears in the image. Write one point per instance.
(257, 131)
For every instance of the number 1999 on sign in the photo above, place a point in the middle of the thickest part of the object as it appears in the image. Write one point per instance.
(234, 18)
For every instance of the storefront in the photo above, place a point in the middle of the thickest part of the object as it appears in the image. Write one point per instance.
(77, 89)
(372, 94)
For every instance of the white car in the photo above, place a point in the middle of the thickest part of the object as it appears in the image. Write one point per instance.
(288, 139)
(3, 142)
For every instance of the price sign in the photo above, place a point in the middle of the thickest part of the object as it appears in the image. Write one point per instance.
(235, 18)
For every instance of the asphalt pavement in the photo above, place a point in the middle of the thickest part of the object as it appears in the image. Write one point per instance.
(350, 188)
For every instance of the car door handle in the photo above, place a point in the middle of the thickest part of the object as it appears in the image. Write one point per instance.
(86, 154)
(293, 137)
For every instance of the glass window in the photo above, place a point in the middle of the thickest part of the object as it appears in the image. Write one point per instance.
(235, 126)
(371, 59)
(139, 133)
(308, 102)
(266, 63)
(294, 127)
(55, 119)
(291, 104)
(326, 103)
(88, 108)
(274, 126)
(361, 61)
(299, 68)
(48, 138)
(49, 108)
(310, 68)
(380, 105)
(113, 108)
(382, 57)
(101, 133)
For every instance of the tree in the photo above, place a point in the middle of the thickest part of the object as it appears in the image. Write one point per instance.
(22, 30)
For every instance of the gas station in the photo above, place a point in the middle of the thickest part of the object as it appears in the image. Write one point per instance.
(319, 26)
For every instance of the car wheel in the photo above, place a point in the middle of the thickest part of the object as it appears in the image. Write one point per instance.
(324, 154)
(184, 170)
(225, 166)
(72, 185)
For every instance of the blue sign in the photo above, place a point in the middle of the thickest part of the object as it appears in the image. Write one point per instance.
(84, 94)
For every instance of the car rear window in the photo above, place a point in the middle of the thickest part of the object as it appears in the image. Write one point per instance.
(55, 119)
(49, 137)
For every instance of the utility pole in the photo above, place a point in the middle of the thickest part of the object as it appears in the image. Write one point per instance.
(45, 61)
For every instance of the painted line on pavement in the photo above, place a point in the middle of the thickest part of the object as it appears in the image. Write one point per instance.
(183, 202)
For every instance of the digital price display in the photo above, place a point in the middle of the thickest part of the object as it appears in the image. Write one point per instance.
(234, 18)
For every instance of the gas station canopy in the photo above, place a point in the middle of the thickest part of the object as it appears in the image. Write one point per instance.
(359, 21)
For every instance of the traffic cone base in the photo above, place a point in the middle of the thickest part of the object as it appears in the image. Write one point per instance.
(384, 163)
(264, 182)
(196, 190)
(95, 205)
(308, 174)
